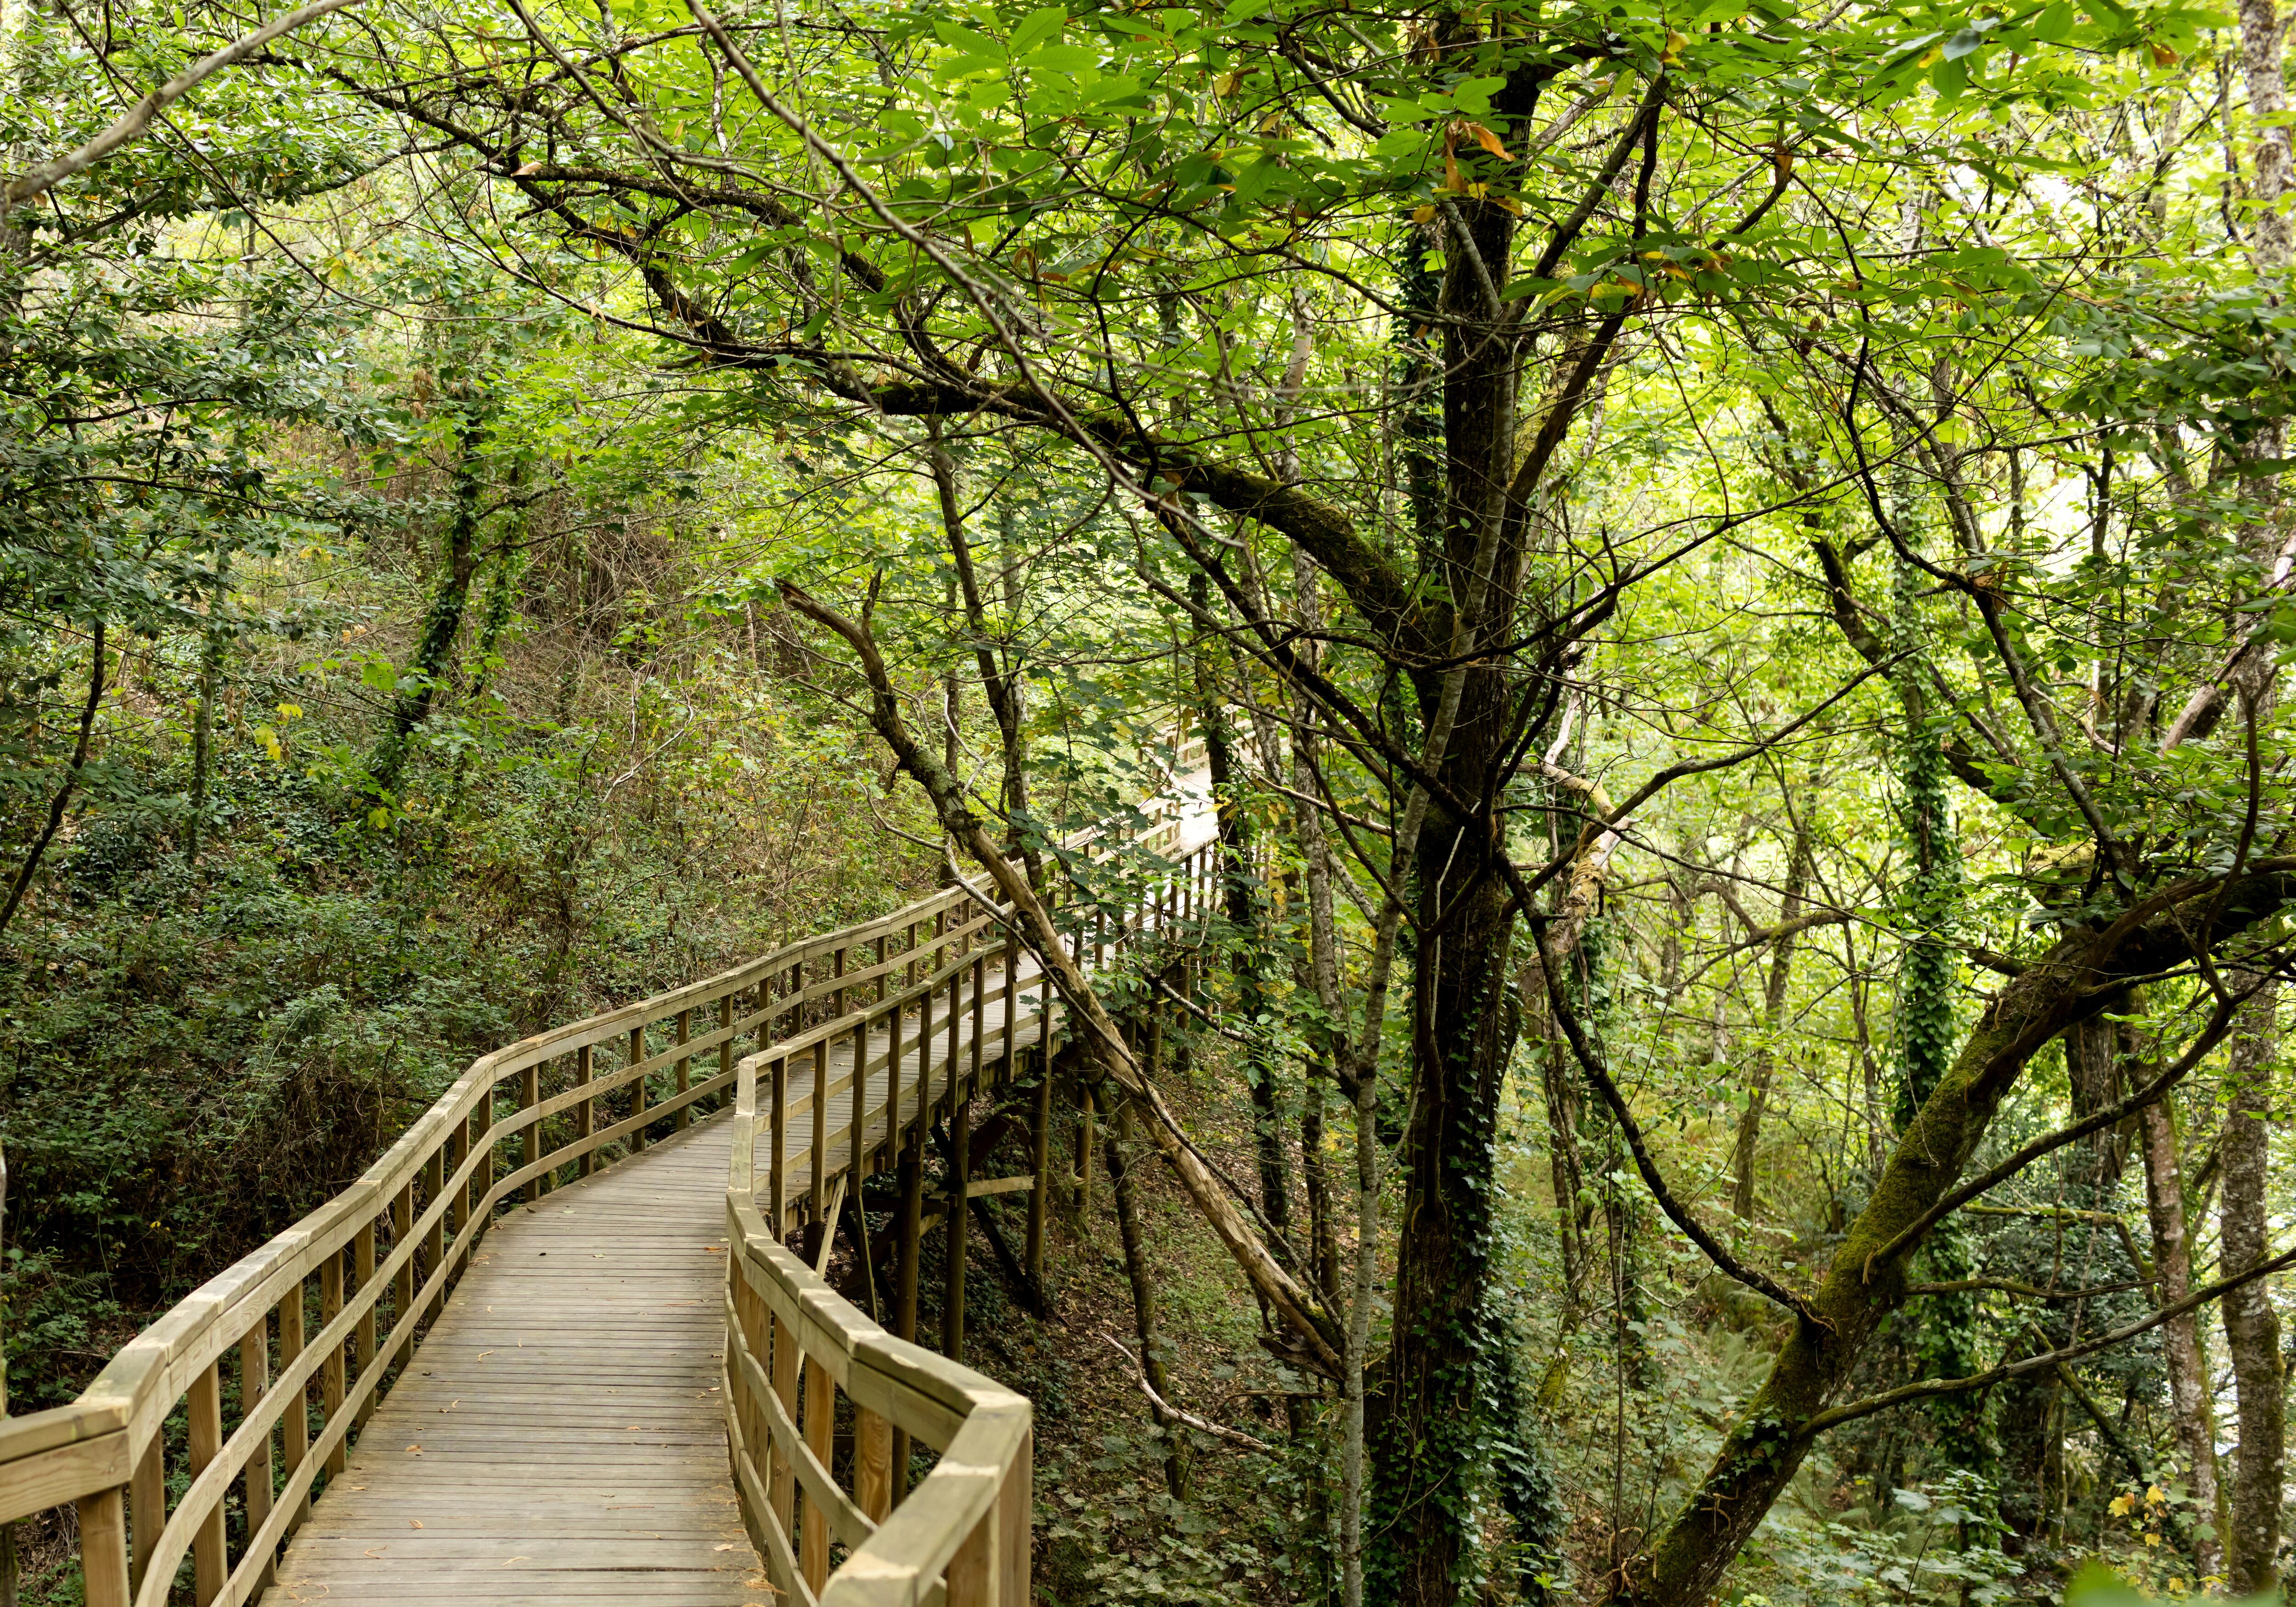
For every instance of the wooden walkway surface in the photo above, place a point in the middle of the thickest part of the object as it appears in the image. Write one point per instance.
(558, 1437)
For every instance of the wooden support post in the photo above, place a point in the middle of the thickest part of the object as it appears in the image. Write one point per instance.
(458, 1151)
(872, 1463)
(905, 1275)
(434, 1243)
(818, 1193)
(147, 1492)
(402, 1288)
(909, 948)
(925, 1111)
(1040, 1152)
(820, 1437)
(637, 1086)
(254, 1384)
(952, 1307)
(330, 1370)
(837, 999)
(953, 1065)
(362, 1275)
(104, 1573)
(893, 1085)
(856, 1125)
(204, 1412)
(972, 1572)
(884, 945)
(586, 1113)
(781, 1486)
(530, 1136)
(1011, 1005)
(777, 1170)
(728, 1013)
(979, 1017)
(684, 1067)
(295, 1422)
(1015, 1503)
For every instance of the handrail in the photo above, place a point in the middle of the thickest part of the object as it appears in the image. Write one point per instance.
(792, 1344)
(385, 1252)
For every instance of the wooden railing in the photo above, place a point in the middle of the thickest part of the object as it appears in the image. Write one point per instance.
(261, 1377)
(793, 1345)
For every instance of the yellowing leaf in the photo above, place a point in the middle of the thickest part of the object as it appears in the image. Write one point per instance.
(1425, 214)
(1488, 142)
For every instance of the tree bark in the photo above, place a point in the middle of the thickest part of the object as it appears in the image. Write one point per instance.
(2251, 1323)
(442, 621)
(2191, 1408)
(1774, 1010)
(1768, 1440)
(1137, 1272)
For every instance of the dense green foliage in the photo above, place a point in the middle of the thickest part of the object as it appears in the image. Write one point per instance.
(1733, 560)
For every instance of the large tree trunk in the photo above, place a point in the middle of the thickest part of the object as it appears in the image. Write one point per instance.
(442, 621)
(1771, 1436)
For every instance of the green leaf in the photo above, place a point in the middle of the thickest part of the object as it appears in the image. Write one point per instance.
(1040, 25)
(2057, 23)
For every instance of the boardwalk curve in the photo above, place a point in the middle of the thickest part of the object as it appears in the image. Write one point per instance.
(401, 1397)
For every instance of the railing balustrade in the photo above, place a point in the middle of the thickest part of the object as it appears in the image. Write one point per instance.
(272, 1366)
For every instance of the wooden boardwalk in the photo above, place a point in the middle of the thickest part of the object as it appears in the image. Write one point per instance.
(559, 1436)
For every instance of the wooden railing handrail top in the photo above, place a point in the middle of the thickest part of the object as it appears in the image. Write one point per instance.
(140, 1385)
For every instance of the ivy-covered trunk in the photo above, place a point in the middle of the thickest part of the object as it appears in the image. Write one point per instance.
(1433, 1454)
(1868, 1278)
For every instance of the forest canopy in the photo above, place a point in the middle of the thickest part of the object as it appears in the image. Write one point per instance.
(1730, 563)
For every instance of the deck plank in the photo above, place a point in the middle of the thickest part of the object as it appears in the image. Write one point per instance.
(571, 1447)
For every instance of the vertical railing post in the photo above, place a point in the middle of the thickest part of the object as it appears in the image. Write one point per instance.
(331, 1370)
(777, 1172)
(820, 1436)
(295, 1422)
(147, 1492)
(530, 1136)
(637, 1088)
(254, 1384)
(203, 1413)
(684, 1067)
(363, 1274)
(586, 1113)
(1014, 1499)
(817, 1191)
(434, 1243)
(458, 1151)
(728, 1012)
(872, 1464)
(893, 1084)
(972, 1580)
(781, 1486)
(960, 1172)
(856, 1123)
(104, 1573)
(1012, 1002)
(402, 1289)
